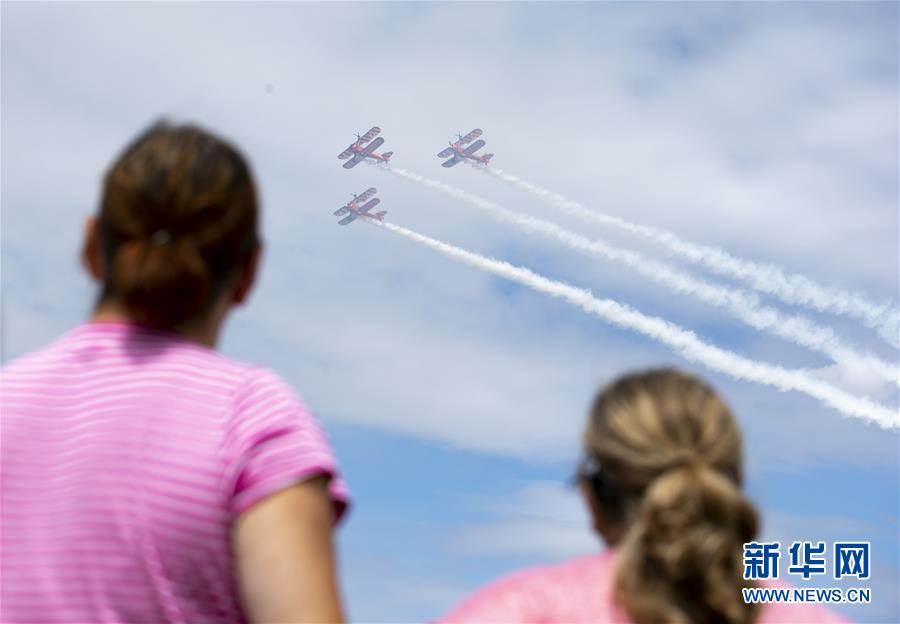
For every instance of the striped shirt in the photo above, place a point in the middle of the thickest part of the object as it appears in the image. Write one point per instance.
(127, 453)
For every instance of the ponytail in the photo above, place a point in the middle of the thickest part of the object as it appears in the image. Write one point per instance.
(680, 562)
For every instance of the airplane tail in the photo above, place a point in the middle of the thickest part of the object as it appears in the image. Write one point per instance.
(387, 155)
(486, 158)
(379, 215)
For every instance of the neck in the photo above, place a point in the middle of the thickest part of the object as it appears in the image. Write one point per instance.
(202, 331)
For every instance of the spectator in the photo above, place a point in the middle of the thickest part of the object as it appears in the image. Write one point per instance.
(662, 478)
(145, 477)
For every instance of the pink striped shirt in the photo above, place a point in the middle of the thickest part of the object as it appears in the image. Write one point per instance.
(581, 590)
(126, 455)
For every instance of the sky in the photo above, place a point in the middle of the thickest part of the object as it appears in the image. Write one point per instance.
(455, 400)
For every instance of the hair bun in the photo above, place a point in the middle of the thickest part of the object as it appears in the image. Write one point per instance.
(161, 283)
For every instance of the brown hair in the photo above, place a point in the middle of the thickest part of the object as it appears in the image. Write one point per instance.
(666, 475)
(178, 217)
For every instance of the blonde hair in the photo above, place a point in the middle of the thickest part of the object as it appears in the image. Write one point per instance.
(667, 484)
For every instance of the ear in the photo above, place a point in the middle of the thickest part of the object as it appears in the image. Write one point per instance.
(247, 278)
(594, 508)
(91, 254)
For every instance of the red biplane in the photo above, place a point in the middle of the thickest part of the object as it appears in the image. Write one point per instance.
(460, 152)
(354, 210)
(360, 150)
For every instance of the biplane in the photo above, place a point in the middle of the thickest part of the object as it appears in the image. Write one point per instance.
(354, 210)
(364, 147)
(458, 152)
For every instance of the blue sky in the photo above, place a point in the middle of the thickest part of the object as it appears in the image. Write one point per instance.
(455, 401)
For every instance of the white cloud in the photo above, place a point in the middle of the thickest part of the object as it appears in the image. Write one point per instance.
(542, 519)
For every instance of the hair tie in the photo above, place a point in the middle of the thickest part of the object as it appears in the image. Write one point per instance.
(161, 237)
(685, 459)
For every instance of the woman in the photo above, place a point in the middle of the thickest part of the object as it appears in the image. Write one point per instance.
(662, 478)
(145, 477)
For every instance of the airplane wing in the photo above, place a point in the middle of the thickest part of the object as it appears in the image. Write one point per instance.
(471, 136)
(350, 218)
(451, 162)
(365, 195)
(477, 145)
(369, 205)
(371, 134)
(357, 158)
(346, 153)
(446, 153)
(341, 211)
(371, 147)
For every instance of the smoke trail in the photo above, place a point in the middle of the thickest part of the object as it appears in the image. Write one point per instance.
(741, 304)
(767, 278)
(681, 340)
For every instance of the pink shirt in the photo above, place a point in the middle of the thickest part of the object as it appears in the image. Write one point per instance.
(578, 591)
(126, 455)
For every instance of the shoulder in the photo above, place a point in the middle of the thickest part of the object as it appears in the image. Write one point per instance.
(262, 394)
(507, 599)
(576, 590)
(31, 362)
(263, 407)
(272, 440)
(34, 372)
(260, 381)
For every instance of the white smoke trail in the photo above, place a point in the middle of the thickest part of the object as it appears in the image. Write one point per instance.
(681, 340)
(741, 304)
(767, 278)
